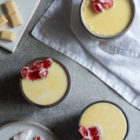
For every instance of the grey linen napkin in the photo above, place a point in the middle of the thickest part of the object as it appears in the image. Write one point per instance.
(116, 62)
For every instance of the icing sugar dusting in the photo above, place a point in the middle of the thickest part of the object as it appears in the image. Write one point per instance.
(23, 135)
(102, 1)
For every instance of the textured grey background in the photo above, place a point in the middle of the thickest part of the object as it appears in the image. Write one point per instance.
(62, 119)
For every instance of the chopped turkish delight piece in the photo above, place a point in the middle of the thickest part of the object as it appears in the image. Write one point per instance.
(37, 65)
(43, 73)
(37, 70)
(101, 5)
(39, 138)
(83, 131)
(98, 7)
(96, 138)
(47, 63)
(92, 133)
(25, 72)
(34, 75)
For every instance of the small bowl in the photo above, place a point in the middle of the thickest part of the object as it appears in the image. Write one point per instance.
(11, 129)
(109, 103)
(114, 36)
(61, 99)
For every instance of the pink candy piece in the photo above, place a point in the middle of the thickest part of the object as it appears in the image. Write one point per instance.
(34, 75)
(92, 133)
(47, 63)
(101, 5)
(37, 65)
(107, 4)
(83, 131)
(39, 138)
(43, 73)
(24, 72)
(37, 70)
(96, 138)
(98, 7)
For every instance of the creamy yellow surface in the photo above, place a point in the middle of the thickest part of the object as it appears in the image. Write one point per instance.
(109, 23)
(47, 91)
(109, 118)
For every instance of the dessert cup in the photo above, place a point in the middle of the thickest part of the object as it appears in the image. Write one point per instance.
(122, 114)
(58, 101)
(106, 37)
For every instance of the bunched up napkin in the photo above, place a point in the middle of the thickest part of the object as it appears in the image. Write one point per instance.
(115, 62)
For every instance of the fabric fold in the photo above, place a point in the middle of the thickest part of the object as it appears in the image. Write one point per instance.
(117, 65)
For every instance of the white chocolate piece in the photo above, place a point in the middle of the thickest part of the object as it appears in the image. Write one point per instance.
(8, 36)
(15, 20)
(3, 21)
(13, 13)
(10, 7)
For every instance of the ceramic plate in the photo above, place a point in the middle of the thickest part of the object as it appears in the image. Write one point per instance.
(26, 9)
(10, 130)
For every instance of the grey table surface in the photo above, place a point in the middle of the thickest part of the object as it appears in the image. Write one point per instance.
(62, 119)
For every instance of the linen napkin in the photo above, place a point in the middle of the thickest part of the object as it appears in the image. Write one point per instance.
(115, 62)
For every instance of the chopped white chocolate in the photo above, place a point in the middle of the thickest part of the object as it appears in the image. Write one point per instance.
(13, 13)
(3, 21)
(10, 7)
(15, 20)
(8, 36)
